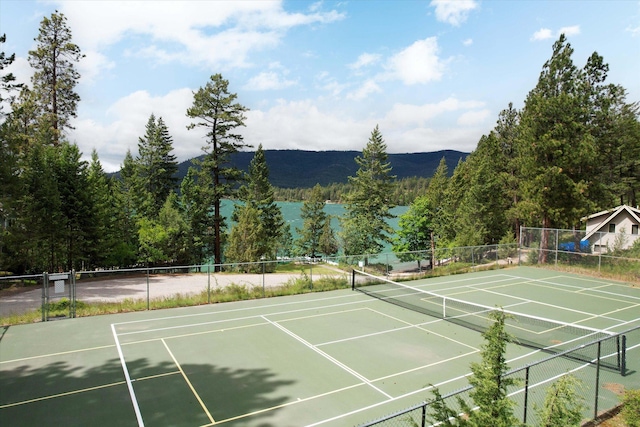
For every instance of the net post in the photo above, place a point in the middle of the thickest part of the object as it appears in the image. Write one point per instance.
(353, 279)
(444, 308)
(623, 355)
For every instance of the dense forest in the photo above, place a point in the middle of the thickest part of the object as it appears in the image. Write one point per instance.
(572, 149)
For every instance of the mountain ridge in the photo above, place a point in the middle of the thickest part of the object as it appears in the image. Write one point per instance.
(304, 169)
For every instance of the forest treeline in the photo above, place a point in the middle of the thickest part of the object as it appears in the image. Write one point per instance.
(404, 192)
(574, 148)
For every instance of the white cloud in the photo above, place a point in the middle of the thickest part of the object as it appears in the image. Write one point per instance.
(473, 118)
(542, 34)
(635, 31)
(124, 124)
(92, 65)
(21, 70)
(202, 33)
(302, 125)
(419, 115)
(569, 31)
(286, 125)
(364, 60)
(454, 12)
(467, 42)
(546, 33)
(268, 80)
(418, 63)
(367, 88)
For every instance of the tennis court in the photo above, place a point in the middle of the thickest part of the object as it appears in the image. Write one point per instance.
(333, 359)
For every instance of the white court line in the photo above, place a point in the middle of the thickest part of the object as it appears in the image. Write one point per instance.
(210, 313)
(591, 315)
(577, 287)
(132, 393)
(326, 356)
(255, 316)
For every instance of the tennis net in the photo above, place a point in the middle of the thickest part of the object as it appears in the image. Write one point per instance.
(548, 335)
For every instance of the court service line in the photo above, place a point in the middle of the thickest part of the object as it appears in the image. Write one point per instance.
(68, 393)
(578, 288)
(424, 329)
(61, 353)
(254, 316)
(132, 393)
(211, 313)
(373, 334)
(193, 390)
(583, 291)
(430, 365)
(527, 300)
(326, 356)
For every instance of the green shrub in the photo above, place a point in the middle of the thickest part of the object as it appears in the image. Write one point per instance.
(631, 408)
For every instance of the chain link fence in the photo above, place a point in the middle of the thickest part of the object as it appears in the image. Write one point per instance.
(599, 387)
(617, 254)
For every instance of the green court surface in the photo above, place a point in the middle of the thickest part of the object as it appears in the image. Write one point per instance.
(327, 359)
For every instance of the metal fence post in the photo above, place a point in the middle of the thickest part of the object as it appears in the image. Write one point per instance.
(147, 288)
(208, 283)
(263, 272)
(595, 403)
(557, 233)
(526, 394)
(45, 285)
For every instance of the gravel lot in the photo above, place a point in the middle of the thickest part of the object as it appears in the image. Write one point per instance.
(119, 288)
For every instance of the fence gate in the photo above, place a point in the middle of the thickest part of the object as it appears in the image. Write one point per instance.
(58, 296)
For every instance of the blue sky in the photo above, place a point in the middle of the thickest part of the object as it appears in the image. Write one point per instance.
(320, 75)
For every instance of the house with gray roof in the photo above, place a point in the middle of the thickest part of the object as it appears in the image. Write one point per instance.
(613, 228)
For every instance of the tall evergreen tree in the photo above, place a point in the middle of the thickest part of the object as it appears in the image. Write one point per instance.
(54, 61)
(245, 238)
(155, 168)
(559, 152)
(328, 244)
(314, 219)
(365, 227)
(102, 241)
(77, 208)
(257, 194)
(214, 109)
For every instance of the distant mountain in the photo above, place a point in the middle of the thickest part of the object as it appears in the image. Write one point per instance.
(304, 169)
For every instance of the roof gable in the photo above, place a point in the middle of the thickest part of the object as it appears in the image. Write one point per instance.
(635, 214)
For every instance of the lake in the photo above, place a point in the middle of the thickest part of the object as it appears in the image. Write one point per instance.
(291, 214)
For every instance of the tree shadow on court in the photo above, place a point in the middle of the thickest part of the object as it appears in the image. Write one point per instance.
(66, 393)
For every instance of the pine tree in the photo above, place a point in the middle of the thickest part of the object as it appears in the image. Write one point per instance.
(214, 108)
(563, 404)
(258, 193)
(54, 61)
(328, 244)
(155, 168)
(368, 206)
(491, 405)
(313, 219)
(245, 237)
